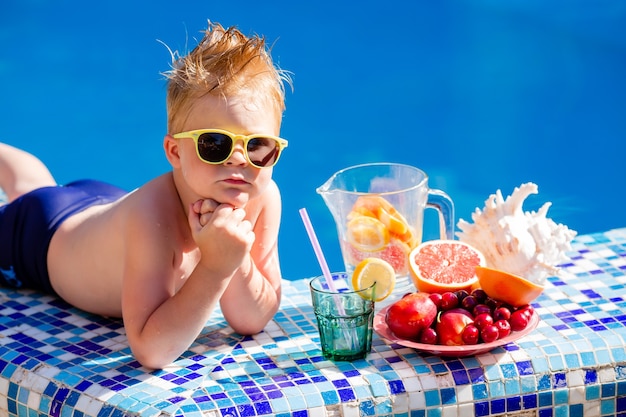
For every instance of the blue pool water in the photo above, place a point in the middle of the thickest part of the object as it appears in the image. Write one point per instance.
(482, 95)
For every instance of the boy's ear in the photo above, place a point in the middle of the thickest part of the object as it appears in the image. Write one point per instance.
(170, 145)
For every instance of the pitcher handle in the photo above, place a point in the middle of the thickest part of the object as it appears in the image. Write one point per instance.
(441, 202)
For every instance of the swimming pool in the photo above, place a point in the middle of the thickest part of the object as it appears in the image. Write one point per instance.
(481, 95)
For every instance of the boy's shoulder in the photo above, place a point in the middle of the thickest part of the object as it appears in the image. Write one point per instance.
(157, 199)
(153, 219)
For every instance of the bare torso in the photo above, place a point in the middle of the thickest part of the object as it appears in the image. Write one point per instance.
(87, 253)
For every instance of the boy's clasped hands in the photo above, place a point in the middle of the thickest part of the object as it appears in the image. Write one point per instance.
(221, 231)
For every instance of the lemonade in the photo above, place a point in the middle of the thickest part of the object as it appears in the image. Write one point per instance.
(375, 229)
(379, 213)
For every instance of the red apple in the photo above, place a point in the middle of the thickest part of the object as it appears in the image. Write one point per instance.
(451, 324)
(411, 314)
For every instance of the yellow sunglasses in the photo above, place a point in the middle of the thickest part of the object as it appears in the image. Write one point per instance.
(215, 146)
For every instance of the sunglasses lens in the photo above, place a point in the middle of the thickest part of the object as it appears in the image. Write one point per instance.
(263, 152)
(214, 147)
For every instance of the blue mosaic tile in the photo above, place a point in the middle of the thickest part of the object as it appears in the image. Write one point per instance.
(480, 392)
(481, 409)
(460, 377)
(545, 399)
(432, 398)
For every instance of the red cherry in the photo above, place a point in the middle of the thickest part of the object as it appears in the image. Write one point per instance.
(429, 336)
(492, 303)
(518, 321)
(436, 297)
(528, 310)
(470, 334)
(483, 320)
(479, 294)
(504, 328)
(449, 300)
(469, 303)
(501, 313)
(489, 333)
(527, 307)
(480, 309)
(461, 294)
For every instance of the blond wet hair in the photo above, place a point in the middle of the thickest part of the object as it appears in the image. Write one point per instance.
(225, 62)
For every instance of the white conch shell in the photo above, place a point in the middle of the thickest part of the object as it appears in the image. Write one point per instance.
(527, 244)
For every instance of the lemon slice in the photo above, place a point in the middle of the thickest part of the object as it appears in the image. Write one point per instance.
(374, 270)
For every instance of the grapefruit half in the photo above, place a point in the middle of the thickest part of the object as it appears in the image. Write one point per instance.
(438, 266)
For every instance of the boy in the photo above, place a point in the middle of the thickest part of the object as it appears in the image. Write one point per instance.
(163, 256)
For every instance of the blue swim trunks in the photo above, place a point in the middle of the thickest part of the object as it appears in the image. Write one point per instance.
(28, 223)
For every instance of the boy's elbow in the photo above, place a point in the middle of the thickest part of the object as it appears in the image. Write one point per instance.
(153, 359)
(251, 325)
(249, 328)
(153, 363)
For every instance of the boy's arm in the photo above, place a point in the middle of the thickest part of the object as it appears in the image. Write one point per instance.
(162, 322)
(253, 295)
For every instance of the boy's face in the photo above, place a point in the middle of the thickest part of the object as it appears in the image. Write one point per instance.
(235, 181)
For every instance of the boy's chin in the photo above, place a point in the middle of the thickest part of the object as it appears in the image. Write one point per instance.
(238, 200)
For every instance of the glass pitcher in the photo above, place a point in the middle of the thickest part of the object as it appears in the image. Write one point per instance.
(379, 212)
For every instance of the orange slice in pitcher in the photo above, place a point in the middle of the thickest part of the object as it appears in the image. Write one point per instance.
(372, 203)
(367, 234)
(378, 207)
(361, 211)
(394, 221)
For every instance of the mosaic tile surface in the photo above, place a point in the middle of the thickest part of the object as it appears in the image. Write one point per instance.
(59, 361)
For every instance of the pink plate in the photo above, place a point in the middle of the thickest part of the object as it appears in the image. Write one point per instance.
(456, 351)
